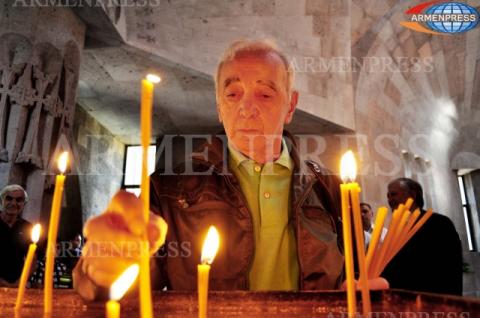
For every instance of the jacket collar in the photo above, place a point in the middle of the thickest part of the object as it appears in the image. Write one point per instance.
(214, 152)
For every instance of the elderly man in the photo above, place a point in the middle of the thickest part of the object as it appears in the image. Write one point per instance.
(277, 216)
(14, 234)
(432, 260)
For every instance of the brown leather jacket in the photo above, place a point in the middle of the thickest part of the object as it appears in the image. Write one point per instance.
(191, 203)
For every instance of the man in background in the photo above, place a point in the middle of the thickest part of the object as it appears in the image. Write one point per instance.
(431, 261)
(15, 234)
(367, 222)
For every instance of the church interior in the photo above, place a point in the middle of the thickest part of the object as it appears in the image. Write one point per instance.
(406, 102)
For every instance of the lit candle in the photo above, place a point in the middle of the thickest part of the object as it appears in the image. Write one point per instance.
(350, 191)
(53, 230)
(209, 250)
(348, 251)
(146, 132)
(145, 294)
(27, 265)
(363, 278)
(118, 289)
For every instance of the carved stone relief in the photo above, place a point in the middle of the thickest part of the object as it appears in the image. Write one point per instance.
(14, 55)
(37, 104)
(46, 66)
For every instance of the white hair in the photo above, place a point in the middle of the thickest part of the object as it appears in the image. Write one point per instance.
(254, 46)
(10, 188)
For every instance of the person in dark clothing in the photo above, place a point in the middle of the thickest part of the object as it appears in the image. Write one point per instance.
(14, 234)
(72, 254)
(432, 260)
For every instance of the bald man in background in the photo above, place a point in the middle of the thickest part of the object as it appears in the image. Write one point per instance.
(432, 260)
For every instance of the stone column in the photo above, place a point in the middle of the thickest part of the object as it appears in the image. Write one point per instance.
(39, 67)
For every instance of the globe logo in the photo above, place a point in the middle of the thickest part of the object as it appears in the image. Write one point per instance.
(449, 9)
(441, 17)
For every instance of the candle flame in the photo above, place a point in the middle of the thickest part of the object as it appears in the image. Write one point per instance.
(36, 232)
(152, 78)
(210, 246)
(62, 162)
(123, 282)
(348, 167)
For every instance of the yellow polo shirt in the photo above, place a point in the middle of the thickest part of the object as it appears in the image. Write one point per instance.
(267, 190)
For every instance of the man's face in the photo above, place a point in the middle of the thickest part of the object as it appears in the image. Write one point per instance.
(367, 216)
(397, 194)
(253, 102)
(77, 241)
(13, 202)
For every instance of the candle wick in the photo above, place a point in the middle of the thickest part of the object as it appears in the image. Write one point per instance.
(349, 180)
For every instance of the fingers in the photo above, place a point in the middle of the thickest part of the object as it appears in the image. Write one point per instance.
(115, 238)
(104, 272)
(108, 227)
(130, 207)
(112, 250)
(103, 262)
(109, 230)
(378, 283)
(157, 232)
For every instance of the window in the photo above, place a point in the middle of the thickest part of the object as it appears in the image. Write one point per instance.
(132, 174)
(467, 214)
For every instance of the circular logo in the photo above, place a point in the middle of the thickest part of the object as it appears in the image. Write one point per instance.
(457, 17)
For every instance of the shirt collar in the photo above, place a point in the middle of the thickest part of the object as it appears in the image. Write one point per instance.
(284, 160)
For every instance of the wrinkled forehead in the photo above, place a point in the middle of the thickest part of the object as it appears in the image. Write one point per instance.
(262, 61)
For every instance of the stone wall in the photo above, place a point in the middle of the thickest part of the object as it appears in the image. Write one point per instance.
(99, 158)
(195, 34)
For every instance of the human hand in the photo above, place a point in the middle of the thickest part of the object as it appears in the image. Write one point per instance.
(115, 238)
(377, 283)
